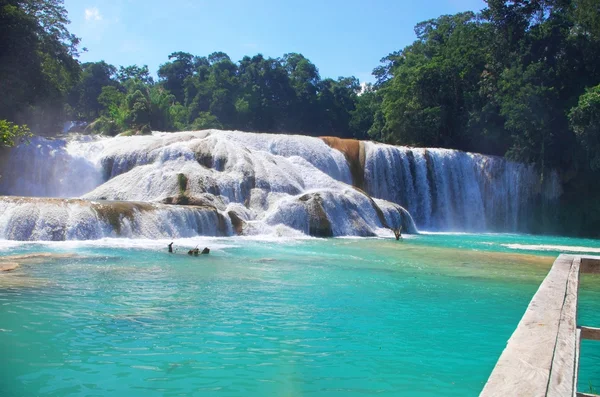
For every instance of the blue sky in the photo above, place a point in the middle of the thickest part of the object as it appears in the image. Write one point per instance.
(342, 38)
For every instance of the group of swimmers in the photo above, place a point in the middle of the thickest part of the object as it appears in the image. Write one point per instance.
(194, 251)
(206, 250)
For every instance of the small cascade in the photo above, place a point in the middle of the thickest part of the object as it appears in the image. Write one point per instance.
(51, 168)
(452, 190)
(48, 219)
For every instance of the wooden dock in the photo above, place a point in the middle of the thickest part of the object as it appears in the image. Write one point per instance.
(541, 357)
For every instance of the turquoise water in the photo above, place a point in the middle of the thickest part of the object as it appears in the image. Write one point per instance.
(589, 315)
(426, 316)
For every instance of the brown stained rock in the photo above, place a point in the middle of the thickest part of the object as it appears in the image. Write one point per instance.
(8, 266)
(194, 201)
(354, 151)
(114, 212)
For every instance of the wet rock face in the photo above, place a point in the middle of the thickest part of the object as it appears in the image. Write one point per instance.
(198, 201)
(318, 223)
(237, 223)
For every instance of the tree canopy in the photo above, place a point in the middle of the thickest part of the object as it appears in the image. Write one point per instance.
(37, 62)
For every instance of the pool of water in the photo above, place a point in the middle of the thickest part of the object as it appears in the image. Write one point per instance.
(428, 315)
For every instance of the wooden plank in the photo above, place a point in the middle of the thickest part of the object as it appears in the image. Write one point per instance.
(562, 373)
(590, 333)
(524, 366)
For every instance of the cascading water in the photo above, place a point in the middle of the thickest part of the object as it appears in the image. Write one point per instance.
(223, 182)
(51, 168)
(226, 182)
(26, 218)
(452, 190)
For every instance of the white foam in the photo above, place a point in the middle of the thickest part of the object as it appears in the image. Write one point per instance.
(467, 233)
(549, 247)
(125, 243)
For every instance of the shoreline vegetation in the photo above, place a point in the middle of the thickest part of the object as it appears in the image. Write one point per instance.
(519, 80)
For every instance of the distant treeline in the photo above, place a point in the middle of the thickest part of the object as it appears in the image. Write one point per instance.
(520, 79)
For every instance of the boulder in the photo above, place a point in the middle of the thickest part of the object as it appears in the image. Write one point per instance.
(319, 224)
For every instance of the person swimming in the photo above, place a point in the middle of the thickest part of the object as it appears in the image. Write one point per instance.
(197, 252)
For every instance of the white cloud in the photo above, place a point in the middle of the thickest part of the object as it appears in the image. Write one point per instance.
(92, 14)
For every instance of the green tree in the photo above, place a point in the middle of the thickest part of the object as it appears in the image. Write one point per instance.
(12, 134)
(529, 111)
(161, 101)
(585, 122)
(366, 119)
(337, 99)
(304, 79)
(84, 96)
(430, 90)
(37, 65)
(223, 84)
(172, 75)
(265, 87)
(204, 121)
(136, 73)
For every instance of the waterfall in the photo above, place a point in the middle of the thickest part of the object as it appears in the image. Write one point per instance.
(51, 168)
(229, 182)
(182, 184)
(451, 190)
